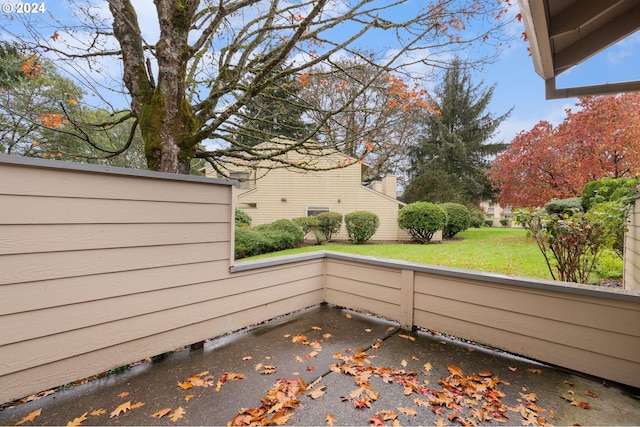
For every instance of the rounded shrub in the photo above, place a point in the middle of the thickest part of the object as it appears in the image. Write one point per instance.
(265, 238)
(488, 223)
(458, 219)
(421, 220)
(329, 223)
(307, 223)
(247, 243)
(242, 218)
(361, 226)
(477, 218)
(564, 206)
(504, 222)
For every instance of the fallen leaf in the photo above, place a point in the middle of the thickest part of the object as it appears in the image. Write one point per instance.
(327, 336)
(330, 419)
(377, 344)
(512, 369)
(177, 414)
(280, 418)
(77, 421)
(311, 368)
(414, 358)
(188, 397)
(427, 367)
(121, 409)
(161, 413)
(316, 328)
(391, 328)
(368, 329)
(407, 337)
(408, 411)
(185, 385)
(348, 316)
(534, 371)
(299, 339)
(485, 374)
(258, 366)
(30, 417)
(454, 370)
(317, 392)
(299, 359)
(137, 405)
(286, 336)
(404, 363)
(98, 412)
(376, 420)
(440, 422)
(247, 358)
(568, 383)
(124, 394)
(268, 370)
(591, 394)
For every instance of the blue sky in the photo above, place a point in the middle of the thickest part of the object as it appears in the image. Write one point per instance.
(517, 84)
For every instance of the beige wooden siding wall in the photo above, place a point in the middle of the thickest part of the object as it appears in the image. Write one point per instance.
(596, 331)
(632, 250)
(102, 269)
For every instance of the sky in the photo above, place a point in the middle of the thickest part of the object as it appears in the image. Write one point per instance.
(517, 84)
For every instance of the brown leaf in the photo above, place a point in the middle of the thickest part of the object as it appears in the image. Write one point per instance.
(161, 413)
(137, 405)
(188, 397)
(454, 370)
(280, 419)
(512, 369)
(485, 374)
(407, 337)
(185, 385)
(124, 394)
(440, 422)
(534, 371)
(177, 414)
(268, 370)
(591, 394)
(98, 412)
(408, 411)
(348, 316)
(30, 417)
(316, 328)
(299, 339)
(121, 409)
(55, 36)
(427, 367)
(77, 421)
(317, 392)
(330, 419)
(327, 336)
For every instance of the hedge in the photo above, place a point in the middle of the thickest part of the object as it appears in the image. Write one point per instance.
(361, 226)
(458, 219)
(421, 220)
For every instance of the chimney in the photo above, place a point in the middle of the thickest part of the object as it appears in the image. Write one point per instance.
(389, 184)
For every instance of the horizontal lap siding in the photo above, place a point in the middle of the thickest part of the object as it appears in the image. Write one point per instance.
(363, 287)
(632, 250)
(594, 335)
(92, 261)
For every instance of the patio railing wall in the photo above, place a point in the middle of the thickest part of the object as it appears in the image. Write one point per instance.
(101, 267)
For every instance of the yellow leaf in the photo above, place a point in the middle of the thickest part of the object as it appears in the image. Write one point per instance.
(299, 359)
(77, 421)
(348, 316)
(124, 394)
(440, 422)
(258, 366)
(177, 414)
(98, 412)
(280, 418)
(185, 385)
(137, 405)
(188, 397)
(330, 419)
(327, 336)
(316, 328)
(161, 413)
(414, 358)
(121, 409)
(404, 363)
(427, 367)
(407, 337)
(454, 370)
(30, 417)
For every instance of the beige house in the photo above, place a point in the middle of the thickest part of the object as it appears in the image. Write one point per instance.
(290, 192)
(494, 212)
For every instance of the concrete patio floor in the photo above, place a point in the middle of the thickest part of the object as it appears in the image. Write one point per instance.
(381, 375)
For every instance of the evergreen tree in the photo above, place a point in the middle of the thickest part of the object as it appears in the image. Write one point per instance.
(454, 153)
(276, 111)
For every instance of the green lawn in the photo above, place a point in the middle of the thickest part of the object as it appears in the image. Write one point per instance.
(496, 250)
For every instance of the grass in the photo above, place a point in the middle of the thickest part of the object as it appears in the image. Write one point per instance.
(496, 250)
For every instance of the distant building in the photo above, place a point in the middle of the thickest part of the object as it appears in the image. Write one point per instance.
(494, 212)
(290, 192)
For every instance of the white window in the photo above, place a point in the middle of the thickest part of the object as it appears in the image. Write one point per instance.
(315, 210)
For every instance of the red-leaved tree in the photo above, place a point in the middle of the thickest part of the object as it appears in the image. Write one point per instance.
(601, 138)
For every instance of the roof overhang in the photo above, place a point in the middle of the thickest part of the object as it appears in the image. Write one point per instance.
(563, 33)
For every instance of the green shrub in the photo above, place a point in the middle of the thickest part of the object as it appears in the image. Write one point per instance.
(504, 222)
(608, 189)
(477, 218)
(564, 206)
(242, 218)
(609, 265)
(421, 220)
(279, 235)
(361, 225)
(329, 223)
(458, 219)
(307, 223)
(488, 223)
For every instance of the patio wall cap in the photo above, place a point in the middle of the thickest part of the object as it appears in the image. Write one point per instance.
(523, 282)
(111, 170)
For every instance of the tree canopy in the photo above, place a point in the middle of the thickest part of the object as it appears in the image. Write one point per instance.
(191, 68)
(601, 138)
(450, 159)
